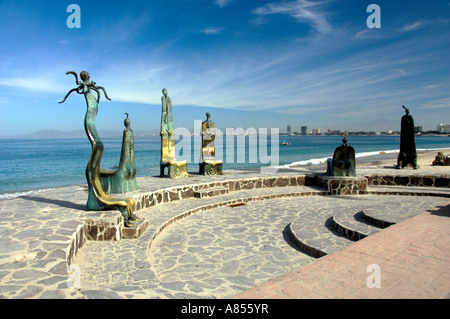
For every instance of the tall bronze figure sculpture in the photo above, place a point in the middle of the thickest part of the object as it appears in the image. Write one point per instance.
(208, 163)
(407, 154)
(122, 180)
(98, 199)
(168, 159)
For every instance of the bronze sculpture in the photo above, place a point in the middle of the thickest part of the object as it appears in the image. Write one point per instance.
(122, 180)
(407, 154)
(168, 159)
(208, 163)
(98, 199)
(343, 162)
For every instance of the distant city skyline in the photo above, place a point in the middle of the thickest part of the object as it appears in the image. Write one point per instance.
(267, 63)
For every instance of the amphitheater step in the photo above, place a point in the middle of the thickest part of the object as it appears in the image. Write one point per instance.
(313, 233)
(211, 192)
(413, 190)
(385, 219)
(353, 226)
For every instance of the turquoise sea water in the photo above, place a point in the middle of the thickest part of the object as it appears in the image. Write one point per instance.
(31, 165)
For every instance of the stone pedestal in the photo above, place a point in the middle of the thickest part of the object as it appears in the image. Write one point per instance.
(340, 185)
(108, 225)
(213, 167)
(175, 169)
(135, 232)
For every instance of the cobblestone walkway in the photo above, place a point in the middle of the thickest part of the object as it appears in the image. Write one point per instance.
(189, 250)
(222, 252)
(409, 260)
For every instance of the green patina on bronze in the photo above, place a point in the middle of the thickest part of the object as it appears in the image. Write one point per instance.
(175, 168)
(98, 199)
(122, 180)
(343, 162)
(208, 163)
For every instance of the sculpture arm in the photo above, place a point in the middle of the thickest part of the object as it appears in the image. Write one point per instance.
(104, 92)
(75, 75)
(67, 95)
(75, 89)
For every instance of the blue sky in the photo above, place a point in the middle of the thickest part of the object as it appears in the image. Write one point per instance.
(249, 63)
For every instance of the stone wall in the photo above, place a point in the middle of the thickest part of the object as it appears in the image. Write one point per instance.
(405, 180)
(107, 225)
(336, 185)
(167, 195)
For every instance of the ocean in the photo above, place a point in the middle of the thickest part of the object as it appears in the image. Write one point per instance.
(34, 165)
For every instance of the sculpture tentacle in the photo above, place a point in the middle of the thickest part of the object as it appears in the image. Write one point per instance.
(67, 95)
(104, 91)
(74, 74)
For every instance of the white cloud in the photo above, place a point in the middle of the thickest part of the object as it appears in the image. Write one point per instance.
(437, 104)
(43, 84)
(212, 31)
(302, 10)
(222, 3)
(413, 26)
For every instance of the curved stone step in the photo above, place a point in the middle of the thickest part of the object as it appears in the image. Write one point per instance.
(209, 192)
(313, 233)
(385, 219)
(351, 225)
(412, 190)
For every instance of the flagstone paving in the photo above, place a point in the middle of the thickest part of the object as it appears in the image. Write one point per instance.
(195, 247)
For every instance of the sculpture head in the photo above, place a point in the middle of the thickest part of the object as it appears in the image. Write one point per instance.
(164, 91)
(406, 110)
(208, 115)
(84, 75)
(127, 122)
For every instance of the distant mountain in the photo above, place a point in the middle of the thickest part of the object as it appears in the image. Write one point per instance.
(51, 134)
(79, 134)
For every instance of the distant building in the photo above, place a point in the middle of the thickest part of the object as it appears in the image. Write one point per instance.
(289, 129)
(417, 129)
(443, 128)
(315, 131)
(303, 130)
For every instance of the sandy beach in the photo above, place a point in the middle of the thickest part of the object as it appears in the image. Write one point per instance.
(424, 158)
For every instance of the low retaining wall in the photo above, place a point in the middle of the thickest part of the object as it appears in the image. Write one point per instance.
(108, 225)
(413, 180)
(336, 185)
(168, 195)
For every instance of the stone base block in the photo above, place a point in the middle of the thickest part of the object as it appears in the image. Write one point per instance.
(211, 168)
(337, 185)
(104, 225)
(108, 225)
(175, 169)
(135, 232)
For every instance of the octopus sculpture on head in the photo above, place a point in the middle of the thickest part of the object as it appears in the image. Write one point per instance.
(98, 199)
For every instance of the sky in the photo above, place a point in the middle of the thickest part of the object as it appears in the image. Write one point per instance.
(250, 63)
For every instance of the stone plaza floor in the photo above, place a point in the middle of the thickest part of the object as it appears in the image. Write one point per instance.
(242, 243)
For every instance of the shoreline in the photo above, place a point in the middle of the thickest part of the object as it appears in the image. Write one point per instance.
(425, 158)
